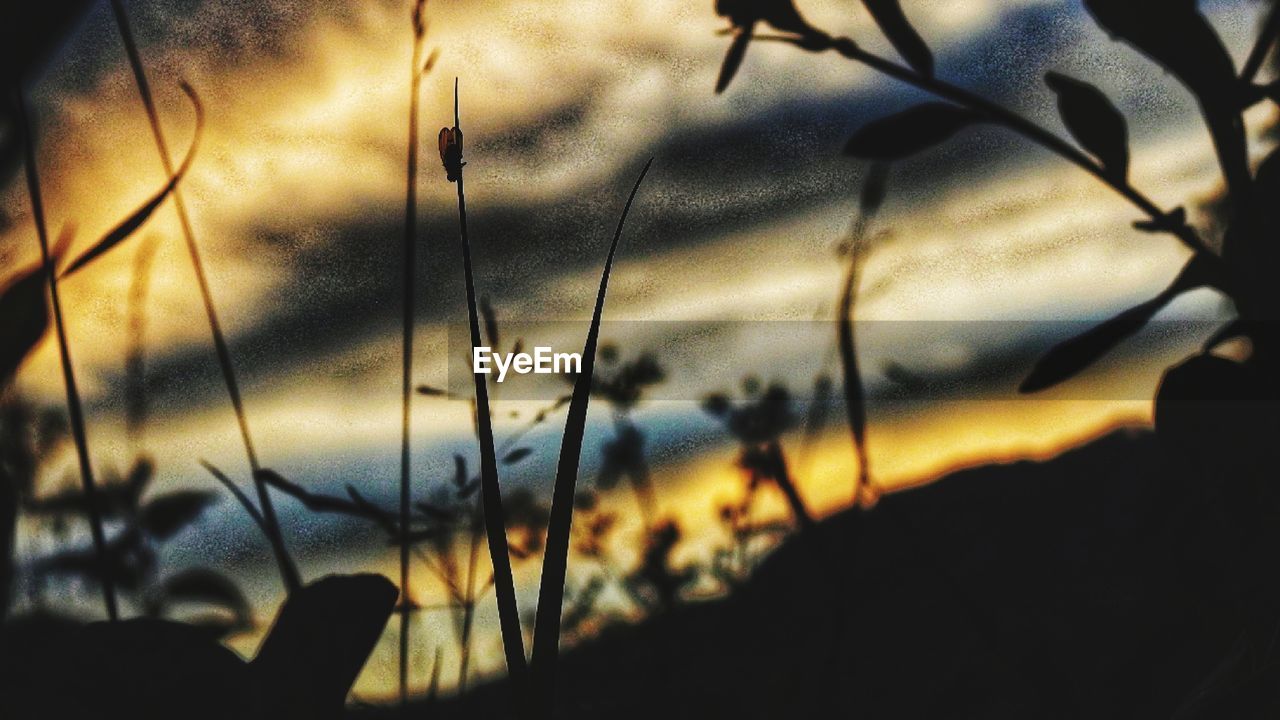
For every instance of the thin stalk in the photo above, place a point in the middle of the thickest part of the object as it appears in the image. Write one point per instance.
(1010, 119)
(854, 390)
(1262, 46)
(75, 410)
(468, 609)
(491, 493)
(288, 572)
(546, 634)
(406, 378)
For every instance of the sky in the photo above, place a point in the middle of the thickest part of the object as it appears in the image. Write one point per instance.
(988, 249)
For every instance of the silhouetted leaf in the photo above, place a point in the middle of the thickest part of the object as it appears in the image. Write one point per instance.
(910, 131)
(131, 224)
(516, 455)
(893, 23)
(201, 585)
(164, 516)
(490, 322)
(1072, 356)
(1094, 122)
(459, 471)
(429, 391)
(334, 624)
(24, 319)
(733, 59)
(874, 187)
(1178, 37)
(546, 636)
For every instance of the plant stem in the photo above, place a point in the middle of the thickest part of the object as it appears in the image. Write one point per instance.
(1010, 119)
(75, 411)
(288, 572)
(491, 493)
(410, 262)
(1262, 46)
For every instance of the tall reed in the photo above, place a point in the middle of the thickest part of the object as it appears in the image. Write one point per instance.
(75, 410)
(416, 72)
(288, 571)
(491, 494)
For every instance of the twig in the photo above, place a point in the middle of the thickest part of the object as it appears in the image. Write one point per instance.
(1010, 119)
(1262, 46)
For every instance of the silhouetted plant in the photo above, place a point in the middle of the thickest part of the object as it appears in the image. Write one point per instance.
(657, 583)
(1215, 412)
(146, 523)
(270, 524)
(418, 69)
(758, 424)
(75, 413)
(622, 385)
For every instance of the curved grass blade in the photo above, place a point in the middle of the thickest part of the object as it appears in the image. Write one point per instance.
(546, 633)
(140, 216)
(238, 494)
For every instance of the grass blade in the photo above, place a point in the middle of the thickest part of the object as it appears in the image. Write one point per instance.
(288, 571)
(546, 633)
(410, 262)
(75, 411)
(491, 492)
(140, 216)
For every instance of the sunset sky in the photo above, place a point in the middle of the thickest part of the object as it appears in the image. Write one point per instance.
(988, 251)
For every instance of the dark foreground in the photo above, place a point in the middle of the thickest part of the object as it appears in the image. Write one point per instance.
(1105, 583)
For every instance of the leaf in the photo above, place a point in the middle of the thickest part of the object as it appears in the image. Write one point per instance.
(201, 585)
(546, 634)
(459, 471)
(910, 131)
(430, 391)
(168, 514)
(895, 26)
(490, 322)
(1094, 122)
(140, 216)
(318, 644)
(733, 59)
(24, 319)
(874, 187)
(1178, 37)
(1069, 358)
(516, 455)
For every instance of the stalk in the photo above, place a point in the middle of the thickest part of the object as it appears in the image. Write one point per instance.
(288, 571)
(491, 493)
(75, 410)
(406, 385)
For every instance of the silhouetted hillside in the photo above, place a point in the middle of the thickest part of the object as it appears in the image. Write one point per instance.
(1101, 583)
